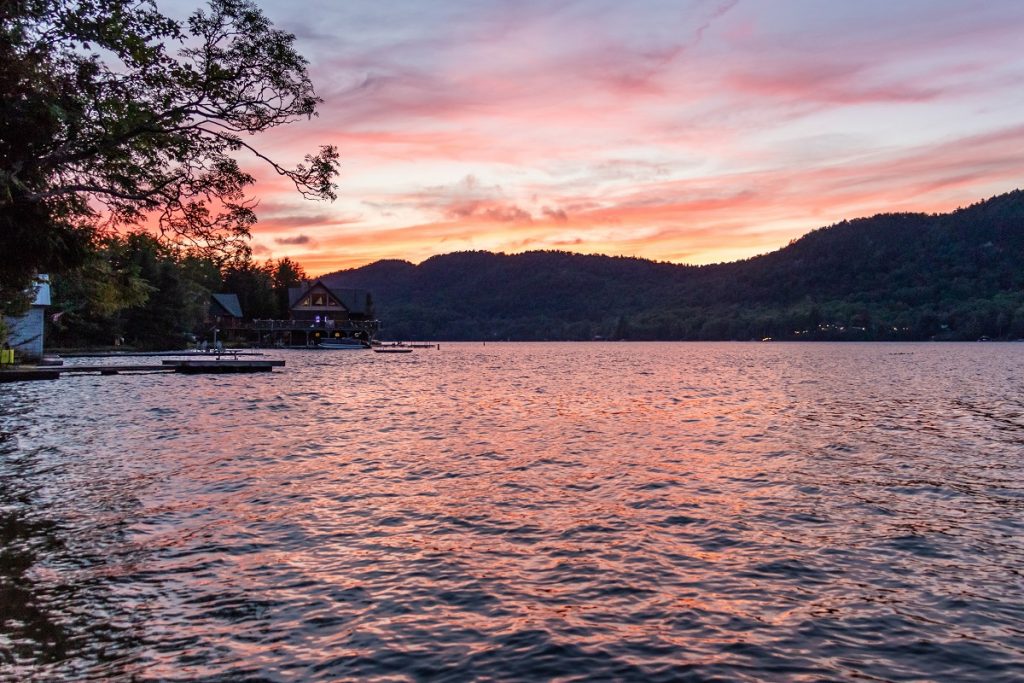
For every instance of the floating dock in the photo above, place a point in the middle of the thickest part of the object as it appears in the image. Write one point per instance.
(205, 365)
(27, 375)
(192, 366)
(407, 345)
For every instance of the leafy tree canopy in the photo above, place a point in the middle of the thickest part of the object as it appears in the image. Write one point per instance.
(113, 114)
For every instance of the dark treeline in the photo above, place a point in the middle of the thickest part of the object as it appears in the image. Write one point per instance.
(957, 276)
(150, 295)
(116, 117)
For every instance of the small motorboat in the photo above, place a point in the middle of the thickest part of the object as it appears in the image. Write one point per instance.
(343, 344)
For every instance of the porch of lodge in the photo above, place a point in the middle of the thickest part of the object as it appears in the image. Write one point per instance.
(307, 333)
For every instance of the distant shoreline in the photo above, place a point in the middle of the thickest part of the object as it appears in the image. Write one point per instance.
(108, 352)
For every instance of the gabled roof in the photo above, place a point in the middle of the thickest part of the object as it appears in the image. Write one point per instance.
(296, 293)
(354, 300)
(229, 303)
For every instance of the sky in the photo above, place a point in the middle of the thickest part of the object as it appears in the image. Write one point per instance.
(688, 131)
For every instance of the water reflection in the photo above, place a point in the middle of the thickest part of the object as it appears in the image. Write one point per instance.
(648, 512)
(29, 631)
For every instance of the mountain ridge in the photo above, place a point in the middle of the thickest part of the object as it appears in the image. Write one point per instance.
(956, 275)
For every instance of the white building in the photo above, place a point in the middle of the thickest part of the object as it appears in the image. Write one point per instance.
(25, 333)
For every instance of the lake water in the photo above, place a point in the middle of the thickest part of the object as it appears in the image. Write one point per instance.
(650, 512)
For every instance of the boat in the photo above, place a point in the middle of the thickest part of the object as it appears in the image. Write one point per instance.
(343, 344)
(392, 349)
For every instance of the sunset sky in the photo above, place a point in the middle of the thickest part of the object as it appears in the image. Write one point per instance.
(679, 130)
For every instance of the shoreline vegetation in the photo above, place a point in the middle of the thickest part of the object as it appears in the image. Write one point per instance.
(163, 296)
(891, 277)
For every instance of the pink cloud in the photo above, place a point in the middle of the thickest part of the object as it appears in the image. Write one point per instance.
(832, 83)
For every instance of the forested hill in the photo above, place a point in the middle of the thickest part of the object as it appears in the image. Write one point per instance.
(892, 276)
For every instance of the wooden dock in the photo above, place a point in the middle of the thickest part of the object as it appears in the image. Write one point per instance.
(192, 366)
(186, 353)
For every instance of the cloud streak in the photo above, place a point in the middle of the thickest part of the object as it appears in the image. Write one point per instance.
(298, 239)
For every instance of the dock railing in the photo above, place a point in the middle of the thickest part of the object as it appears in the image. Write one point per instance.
(290, 325)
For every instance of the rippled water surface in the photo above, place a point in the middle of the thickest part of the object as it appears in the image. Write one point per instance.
(523, 512)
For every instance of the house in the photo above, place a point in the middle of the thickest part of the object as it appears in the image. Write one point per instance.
(316, 312)
(225, 310)
(25, 332)
(315, 303)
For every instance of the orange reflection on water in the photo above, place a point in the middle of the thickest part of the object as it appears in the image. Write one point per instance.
(653, 509)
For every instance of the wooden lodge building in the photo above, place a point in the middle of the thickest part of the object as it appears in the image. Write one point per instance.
(317, 312)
